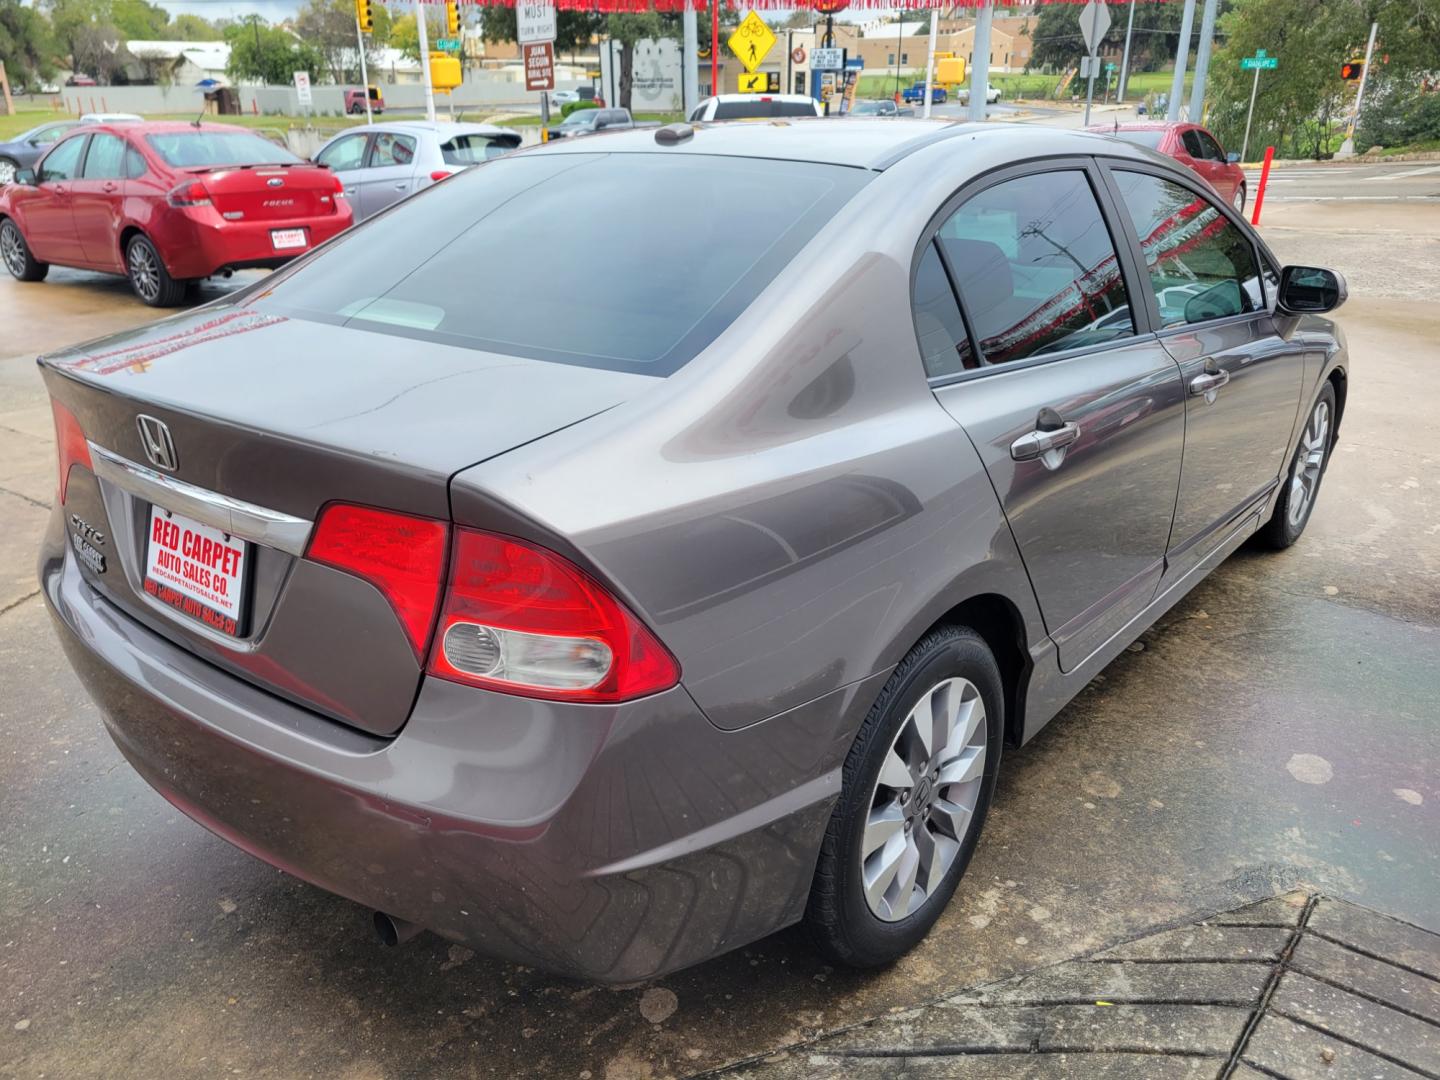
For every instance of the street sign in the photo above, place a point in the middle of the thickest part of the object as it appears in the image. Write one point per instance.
(1094, 21)
(448, 44)
(751, 40)
(1085, 67)
(539, 65)
(1260, 61)
(534, 21)
(754, 83)
(855, 63)
(827, 59)
(302, 89)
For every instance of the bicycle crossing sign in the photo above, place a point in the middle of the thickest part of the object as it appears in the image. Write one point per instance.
(751, 40)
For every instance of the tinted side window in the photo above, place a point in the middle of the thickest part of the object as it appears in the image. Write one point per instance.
(106, 158)
(63, 162)
(1201, 265)
(343, 154)
(1210, 146)
(1035, 267)
(944, 344)
(1191, 141)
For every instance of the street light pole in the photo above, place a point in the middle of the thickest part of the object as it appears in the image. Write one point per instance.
(930, 61)
(1202, 61)
(364, 73)
(1125, 60)
(424, 33)
(1254, 90)
(1182, 58)
(980, 68)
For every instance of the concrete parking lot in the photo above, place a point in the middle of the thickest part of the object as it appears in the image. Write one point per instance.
(1279, 730)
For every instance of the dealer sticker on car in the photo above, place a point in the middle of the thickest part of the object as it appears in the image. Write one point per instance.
(196, 569)
(287, 239)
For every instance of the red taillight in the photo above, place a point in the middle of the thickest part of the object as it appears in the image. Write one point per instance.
(401, 555)
(439, 174)
(70, 445)
(524, 620)
(190, 193)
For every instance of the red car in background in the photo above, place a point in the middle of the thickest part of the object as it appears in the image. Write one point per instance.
(166, 204)
(1192, 145)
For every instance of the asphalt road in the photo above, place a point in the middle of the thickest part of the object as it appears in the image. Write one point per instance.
(1362, 182)
(1277, 729)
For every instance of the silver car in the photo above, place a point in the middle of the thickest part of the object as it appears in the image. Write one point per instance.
(612, 634)
(380, 164)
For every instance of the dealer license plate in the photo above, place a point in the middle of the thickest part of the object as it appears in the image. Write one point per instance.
(287, 239)
(197, 569)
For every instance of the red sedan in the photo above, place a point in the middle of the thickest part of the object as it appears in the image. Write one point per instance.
(1192, 145)
(166, 204)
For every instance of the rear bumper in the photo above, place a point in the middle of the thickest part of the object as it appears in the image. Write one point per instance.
(215, 245)
(608, 843)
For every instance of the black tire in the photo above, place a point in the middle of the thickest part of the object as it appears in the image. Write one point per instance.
(1287, 523)
(149, 279)
(1239, 202)
(15, 253)
(838, 915)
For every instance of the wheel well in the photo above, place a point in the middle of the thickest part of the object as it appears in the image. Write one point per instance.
(998, 621)
(126, 235)
(1337, 379)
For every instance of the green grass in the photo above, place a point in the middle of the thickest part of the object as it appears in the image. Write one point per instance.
(1430, 146)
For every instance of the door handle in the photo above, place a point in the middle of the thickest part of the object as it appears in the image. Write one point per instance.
(1047, 444)
(1209, 381)
(402, 185)
(109, 187)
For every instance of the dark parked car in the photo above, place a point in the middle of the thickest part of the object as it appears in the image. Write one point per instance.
(24, 150)
(589, 121)
(880, 107)
(614, 633)
(166, 204)
(1191, 145)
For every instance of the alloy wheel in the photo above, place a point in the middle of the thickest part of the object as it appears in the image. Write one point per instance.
(1239, 199)
(144, 271)
(1305, 476)
(12, 248)
(924, 800)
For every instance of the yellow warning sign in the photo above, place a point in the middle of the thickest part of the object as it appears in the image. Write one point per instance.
(757, 83)
(751, 40)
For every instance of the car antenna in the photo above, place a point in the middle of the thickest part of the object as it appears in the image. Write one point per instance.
(196, 122)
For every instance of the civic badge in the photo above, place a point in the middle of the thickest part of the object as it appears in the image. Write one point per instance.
(155, 438)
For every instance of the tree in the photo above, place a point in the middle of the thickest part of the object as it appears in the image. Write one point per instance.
(189, 27)
(574, 30)
(329, 27)
(628, 29)
(26, 44)
(405, 34)
(138, 20)
(268, 54)
(1056, 39)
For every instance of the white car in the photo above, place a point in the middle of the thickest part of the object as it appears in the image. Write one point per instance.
(754, 107)
(992, 95)
(111, 118)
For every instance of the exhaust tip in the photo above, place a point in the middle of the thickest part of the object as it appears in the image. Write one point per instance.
(392, 931)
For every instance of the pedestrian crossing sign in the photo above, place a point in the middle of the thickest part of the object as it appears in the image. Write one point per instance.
(751, 40)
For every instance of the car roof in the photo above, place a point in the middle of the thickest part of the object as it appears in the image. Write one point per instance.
(856, 142)
(728, 98)
(1142, 125)
(441, 129)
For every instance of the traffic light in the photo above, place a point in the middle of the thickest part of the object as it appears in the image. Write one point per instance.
(452, 18)
(364, 16)
(1352, 70)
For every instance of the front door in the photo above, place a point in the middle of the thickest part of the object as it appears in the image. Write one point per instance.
(98, 195)
(1076, 410)
(49, 218)
(390, 174)
(346, 159)
(1243, 380)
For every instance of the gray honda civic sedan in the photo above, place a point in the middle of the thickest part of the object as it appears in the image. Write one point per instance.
(608, 590)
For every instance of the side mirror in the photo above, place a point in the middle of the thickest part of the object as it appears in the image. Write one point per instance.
(1311, 290)
(1232, 158)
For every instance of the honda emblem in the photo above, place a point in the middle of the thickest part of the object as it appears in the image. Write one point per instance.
(159, 447)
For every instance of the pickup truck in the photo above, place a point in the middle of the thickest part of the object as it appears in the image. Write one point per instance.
(589, 121)
(915, 95)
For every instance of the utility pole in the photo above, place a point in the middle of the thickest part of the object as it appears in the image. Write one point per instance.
(1125, 60)
(364, 73)
(1347, 148)
(690, 69)
(424, 32)
(980, 68)
(930, 60)
(1182, 58)
(1202, 61)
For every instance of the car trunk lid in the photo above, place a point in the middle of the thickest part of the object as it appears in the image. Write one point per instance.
(269, 192)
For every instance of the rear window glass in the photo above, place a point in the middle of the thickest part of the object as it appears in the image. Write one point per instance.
(633, 262)
(191, 148)
(1152, 139)
(473, 149)
(741, 110)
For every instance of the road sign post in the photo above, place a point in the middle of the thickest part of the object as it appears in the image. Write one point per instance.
(360, 32)
(1094, 22)
(535, 26)
(303, 97)
(1258, 63)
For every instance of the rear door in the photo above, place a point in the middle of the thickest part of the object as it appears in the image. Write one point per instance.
(1243, 380)
(345, 157)
(99, 196)
(389, 173)
(1074, 406)
(49, 215)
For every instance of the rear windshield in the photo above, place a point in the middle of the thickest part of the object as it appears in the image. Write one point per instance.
(1152, 139)
(741, 110)
(187, 148)
(633, 262)
(473, 149)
